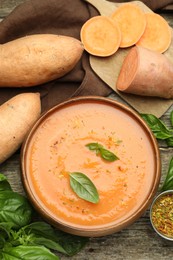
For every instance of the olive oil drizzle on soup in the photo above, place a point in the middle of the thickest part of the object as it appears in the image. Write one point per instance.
(58, 148)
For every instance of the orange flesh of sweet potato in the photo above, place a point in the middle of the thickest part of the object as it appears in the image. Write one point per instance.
(36, 59)
(100, 36)
(146, 73)
(132, 22)
(17, 116)
(157, 35)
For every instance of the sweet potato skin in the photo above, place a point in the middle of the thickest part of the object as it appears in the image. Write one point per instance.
(17, 116)
(37, 59)
(146, 73)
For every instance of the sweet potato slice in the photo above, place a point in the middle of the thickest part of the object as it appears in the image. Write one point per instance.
(100, 36)
(157, 34)
(132, 21)
(147, 73)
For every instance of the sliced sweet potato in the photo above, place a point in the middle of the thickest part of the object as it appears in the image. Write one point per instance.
(147, 73)
(157, 34)
(100, 36)
(132, 22)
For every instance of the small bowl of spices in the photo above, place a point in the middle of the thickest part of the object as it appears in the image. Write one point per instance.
(161, 214)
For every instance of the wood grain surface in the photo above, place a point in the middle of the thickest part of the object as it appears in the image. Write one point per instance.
(139, 241)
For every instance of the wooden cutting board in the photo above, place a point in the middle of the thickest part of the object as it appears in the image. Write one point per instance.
(108, 68)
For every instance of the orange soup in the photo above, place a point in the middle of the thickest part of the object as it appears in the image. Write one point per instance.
(58, 148)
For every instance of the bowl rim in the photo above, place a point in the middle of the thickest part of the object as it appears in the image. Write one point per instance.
(110, 227)
(157, 197)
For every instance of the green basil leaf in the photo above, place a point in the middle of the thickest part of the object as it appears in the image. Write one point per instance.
(2, 239)
(4, 184)
(93, 146)
(107, 155)
(5, 229)
(42, 234)
(71, 244)
(169, 142)
(40, 228)
(171, 118)
(48, 243)
(84, 187)
(104, 153)
(28, 253)
(157, 126)
(14, 208)
(168, 183)
(55, 239)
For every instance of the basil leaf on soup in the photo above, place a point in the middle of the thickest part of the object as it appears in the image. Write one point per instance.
(93, 146)
(84, 187)
(107, 155)
(104, 153)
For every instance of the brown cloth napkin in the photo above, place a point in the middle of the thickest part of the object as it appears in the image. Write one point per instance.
(64, 18)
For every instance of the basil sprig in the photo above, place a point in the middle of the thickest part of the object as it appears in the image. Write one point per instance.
(22, 239)
(162, 132)
(84, 187)
(168, 183)
(170, 140)
(104, 153)
(171, 117)
(159, 129)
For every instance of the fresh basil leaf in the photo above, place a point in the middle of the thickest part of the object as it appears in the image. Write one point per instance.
(40, 228)
(84, 187)
(171, 118)
(93, 146)
(168, 183)
(107, 155)
(71, 244)
(5, 229)
(169, 142)
(14, 208)
(2, 177)
(42, 234)
(48, 243)
(4, 184)
(158, 128)
(2, 239)
(20, 240)
(55, 239)
(28, 253)
(104, 153)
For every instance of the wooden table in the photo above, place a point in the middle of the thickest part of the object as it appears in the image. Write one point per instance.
(139, 241)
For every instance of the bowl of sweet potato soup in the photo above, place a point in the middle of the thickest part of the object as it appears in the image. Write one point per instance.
(90, 166)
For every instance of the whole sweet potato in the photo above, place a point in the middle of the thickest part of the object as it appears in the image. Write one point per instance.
(36, 59)
(17, 116)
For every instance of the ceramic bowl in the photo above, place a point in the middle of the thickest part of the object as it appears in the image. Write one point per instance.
(157, 206)
(60, 144)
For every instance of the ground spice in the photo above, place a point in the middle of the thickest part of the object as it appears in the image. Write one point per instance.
(162, 215)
